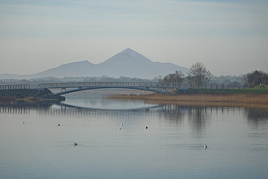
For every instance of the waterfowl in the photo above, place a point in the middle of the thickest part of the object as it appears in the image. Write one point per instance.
(146, 127)
(205, 146)
(58, 124)
(75, 143)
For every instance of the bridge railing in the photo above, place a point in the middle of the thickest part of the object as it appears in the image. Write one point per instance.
(135, 84)
(222, 87)
(19, 86)
(107, 84)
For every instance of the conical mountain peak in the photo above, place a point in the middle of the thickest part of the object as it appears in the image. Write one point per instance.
(128, 55)
(128, 50)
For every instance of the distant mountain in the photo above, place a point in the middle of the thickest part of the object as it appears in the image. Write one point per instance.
(132, 64)
(127, 63)
(75, 69)
(10, 76)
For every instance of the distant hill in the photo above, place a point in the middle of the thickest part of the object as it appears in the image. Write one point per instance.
(127, 63)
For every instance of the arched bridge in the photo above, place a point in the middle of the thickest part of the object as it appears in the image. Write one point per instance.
(164, 88)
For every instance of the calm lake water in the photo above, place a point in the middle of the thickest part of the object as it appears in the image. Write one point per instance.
(33, 146)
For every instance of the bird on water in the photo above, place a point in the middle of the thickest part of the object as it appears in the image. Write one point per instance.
(205, 146)
(75, 143)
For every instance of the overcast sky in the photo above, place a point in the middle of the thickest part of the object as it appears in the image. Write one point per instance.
(230, 37)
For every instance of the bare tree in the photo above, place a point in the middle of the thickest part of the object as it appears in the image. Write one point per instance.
(244, 79)
(160, 80)
(177, 77)
(198, 75)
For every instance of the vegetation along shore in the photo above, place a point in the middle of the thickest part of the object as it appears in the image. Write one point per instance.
(254, 91)
(205, 97)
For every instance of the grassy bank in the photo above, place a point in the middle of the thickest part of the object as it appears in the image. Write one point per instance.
(230, 91)
(202, 99)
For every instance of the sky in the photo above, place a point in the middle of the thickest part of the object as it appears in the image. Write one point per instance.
(230, 37)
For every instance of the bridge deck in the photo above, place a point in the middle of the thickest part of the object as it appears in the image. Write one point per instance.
(108, 84)
(79, 86)
(18, 86)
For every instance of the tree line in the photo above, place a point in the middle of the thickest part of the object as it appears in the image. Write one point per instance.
(255, 78)
(198, 76)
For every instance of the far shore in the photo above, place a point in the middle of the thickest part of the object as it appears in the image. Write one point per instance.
(236, 100)
(8, 99)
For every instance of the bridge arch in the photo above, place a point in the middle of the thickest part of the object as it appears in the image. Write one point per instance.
(156, 87)
(105, 87)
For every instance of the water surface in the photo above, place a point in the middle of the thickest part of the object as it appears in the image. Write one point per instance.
(33, 146)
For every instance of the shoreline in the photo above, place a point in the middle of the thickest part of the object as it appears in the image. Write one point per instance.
(28, 95)
(7, 99)
(245, 100)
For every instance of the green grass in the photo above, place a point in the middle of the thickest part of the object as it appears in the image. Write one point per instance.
(258, 87)
(231, 91)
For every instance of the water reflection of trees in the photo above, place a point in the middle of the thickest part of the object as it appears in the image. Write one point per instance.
(197, 116)
(174, 114)
(256, 116)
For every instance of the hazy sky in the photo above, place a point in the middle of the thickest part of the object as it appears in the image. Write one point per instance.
(230, 37)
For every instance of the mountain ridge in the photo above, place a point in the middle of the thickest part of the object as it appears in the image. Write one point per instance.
(128, 63)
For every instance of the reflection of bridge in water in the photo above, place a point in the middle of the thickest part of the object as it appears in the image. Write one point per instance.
(65, 106)
(15, 110)
(163, 88)
(23, 107)
(196, 116)
(71, 110)
(170, 111)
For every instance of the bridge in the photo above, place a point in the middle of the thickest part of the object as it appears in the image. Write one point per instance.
(18, 86)
(163, 88)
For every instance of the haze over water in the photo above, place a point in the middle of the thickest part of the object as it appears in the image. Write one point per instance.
(171, 147)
